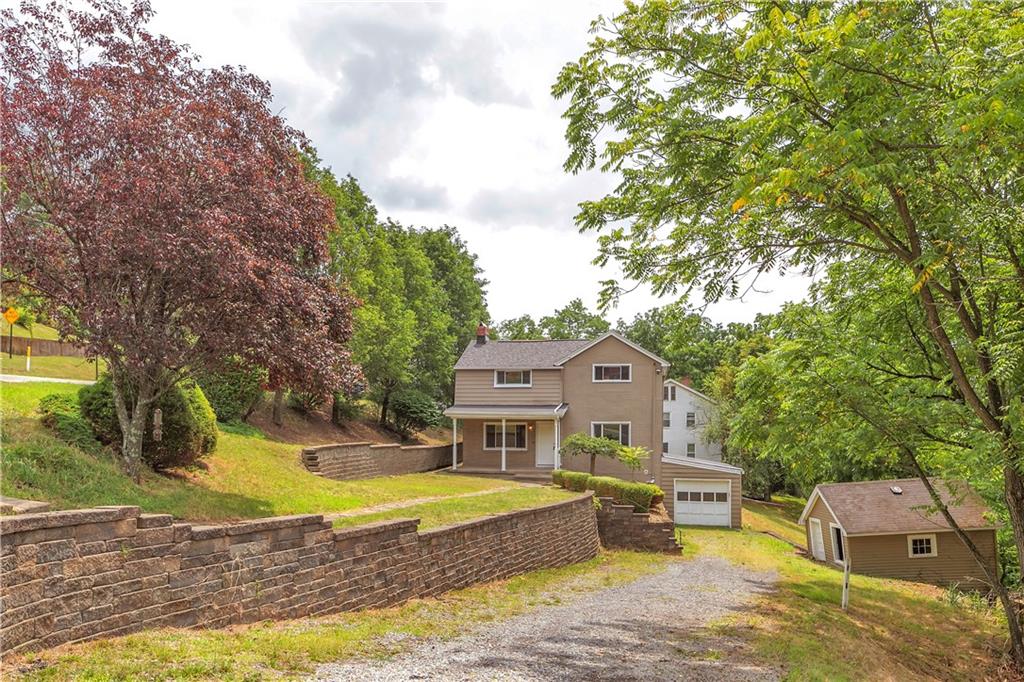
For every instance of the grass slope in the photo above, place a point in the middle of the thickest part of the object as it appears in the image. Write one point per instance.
(51, 367)
(38, 331)
(272, 650)
(447, 512)
(248, 476)
(892, 630)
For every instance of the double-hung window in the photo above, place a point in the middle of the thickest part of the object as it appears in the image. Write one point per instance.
(618, 431)
(515, 436)
(670, 393)
(513, 378)
(691, 419)
(691, 449)
(613, 373)
(666, 419)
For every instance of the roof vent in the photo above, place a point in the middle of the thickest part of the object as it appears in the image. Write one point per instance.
(896, 490)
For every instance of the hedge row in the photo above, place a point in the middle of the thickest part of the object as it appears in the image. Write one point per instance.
(641, 495)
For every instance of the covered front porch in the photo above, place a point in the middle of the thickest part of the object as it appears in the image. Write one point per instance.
(508, 438)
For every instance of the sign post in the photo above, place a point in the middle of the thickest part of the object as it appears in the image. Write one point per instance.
(11, 315)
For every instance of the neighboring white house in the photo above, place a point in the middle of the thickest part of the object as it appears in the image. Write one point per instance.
(686, 414)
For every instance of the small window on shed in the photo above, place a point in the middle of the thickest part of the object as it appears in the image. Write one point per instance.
(919, 546)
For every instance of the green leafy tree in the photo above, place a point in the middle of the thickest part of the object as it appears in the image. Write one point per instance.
(883, 138)
(583, 445)
(457, 272)
(520, 328)
(573, 321)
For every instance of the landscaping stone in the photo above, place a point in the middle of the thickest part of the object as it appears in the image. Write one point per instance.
(352, 461)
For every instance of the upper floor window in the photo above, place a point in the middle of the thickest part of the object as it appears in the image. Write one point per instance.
(670, 393)
(691, 449)
(666, 419)
(664, 447)
(513, 378)
(921, 545)
(691, 419)
(612, 430)
(613, 373)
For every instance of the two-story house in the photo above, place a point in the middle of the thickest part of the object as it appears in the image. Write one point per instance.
(685, 417)
(515, 402)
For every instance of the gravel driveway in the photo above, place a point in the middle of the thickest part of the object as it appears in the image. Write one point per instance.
(647, 630)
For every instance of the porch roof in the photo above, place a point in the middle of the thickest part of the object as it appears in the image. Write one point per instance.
(507, 411)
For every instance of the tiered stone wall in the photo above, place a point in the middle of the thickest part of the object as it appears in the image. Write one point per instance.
(78, 575)
(350, 461)
(619, 526)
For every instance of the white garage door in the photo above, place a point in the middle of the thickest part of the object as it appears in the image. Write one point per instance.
(702, 503)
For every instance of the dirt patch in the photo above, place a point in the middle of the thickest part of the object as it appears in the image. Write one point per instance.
(317, 428)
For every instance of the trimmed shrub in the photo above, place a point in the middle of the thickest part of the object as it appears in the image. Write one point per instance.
(62, 416)
(575, 480)
(556, 477)
(414, 410)
(189, 426)
(233, 391)
(641, 495)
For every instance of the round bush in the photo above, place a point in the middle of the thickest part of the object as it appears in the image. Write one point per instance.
(234, 390)
(189, 425)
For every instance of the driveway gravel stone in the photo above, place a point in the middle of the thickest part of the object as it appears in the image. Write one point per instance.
(650, 629)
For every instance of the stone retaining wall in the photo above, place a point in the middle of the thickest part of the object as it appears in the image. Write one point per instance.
(78, 575)
(619, 526)
(350, 461)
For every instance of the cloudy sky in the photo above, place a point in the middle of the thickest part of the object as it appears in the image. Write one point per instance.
(443, 112)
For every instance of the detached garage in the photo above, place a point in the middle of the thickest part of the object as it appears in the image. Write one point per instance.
(702, 493)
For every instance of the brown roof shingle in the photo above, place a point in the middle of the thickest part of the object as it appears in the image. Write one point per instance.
(517, 354)
(871, 508)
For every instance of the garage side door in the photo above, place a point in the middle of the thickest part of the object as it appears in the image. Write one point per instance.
(702, 503)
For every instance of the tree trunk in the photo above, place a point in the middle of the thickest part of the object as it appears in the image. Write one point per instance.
(593, 463)
(132, 420)
(278, 413)
(336, 410)
(1012, 617)
(384, 403)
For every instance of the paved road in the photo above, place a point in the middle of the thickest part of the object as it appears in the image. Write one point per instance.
(651, 629)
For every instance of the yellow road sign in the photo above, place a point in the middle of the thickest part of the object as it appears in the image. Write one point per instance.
(11, 315)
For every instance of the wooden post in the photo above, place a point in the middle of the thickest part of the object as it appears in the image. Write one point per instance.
(455, 443)
(503, 444)
(846, 574)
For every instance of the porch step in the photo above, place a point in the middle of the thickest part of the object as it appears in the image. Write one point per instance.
(526, 475)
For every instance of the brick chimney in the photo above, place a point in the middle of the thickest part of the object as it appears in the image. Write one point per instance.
(686, 381)
(481, 334)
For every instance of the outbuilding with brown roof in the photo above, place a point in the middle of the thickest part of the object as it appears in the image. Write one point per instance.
(891, 529)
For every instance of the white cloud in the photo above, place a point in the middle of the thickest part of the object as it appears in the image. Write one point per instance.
(443, 112)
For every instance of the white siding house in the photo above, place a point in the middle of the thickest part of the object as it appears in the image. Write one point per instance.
(686, 414)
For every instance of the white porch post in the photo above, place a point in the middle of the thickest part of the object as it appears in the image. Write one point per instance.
(558, 442)
(455, 443)
(503, 444)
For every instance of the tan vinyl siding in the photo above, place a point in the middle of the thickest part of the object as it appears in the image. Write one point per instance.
(607, 467)
(886, 556)
(476, 387)
(638, 402)
(670, 472)
(820, 511)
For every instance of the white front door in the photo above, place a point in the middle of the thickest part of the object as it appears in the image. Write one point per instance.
(545, 444)
(817, 541)
(702, 503)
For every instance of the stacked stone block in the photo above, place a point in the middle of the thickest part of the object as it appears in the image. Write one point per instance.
(79, 575)
(352, 461)
(621, 527)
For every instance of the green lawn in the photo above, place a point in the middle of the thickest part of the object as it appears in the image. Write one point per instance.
(892, 630)
(271, 650)
(248, 476)
(780, 520)
(39, 331)
(447, 512)
(51, 366)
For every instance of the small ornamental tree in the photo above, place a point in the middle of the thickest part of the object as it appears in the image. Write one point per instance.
(160, 209)
(580, 444)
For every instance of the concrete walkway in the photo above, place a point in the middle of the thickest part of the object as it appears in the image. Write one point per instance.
(21, 379)
(388, 506)
(655, 628)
